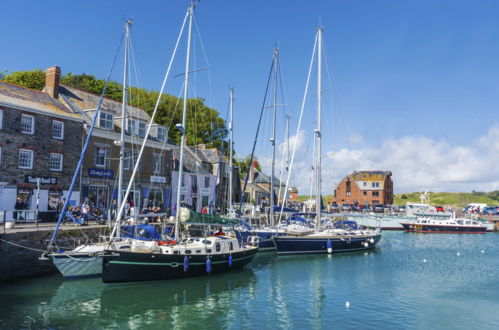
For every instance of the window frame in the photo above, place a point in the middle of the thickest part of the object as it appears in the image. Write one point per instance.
(61, 162)
(141, 129)
(32, 156)
(157, 160)
(1, 119)
(106, 120)
(54, 122)
(164, 136)
(96, 155)
(1, 155)
(32, 131)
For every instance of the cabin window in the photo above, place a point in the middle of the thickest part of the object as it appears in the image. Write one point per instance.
(208, 250)
(231, 246)
(468, 222)
(206, 242)
(217, 247)
(198, 251)
(188, 251)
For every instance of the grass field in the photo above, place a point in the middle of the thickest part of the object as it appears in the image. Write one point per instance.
(445, 199)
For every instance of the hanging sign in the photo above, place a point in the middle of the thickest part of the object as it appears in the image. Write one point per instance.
(43, 179)
(100, 173)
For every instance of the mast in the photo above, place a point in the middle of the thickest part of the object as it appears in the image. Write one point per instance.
(183, 126)
(272, 140)
(318, 129)
(123, 117)
(286, 136)
(231, 141)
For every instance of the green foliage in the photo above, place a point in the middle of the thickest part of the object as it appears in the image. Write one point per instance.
(204, 126)
(243, 164)
(403, 197)
(32, 79)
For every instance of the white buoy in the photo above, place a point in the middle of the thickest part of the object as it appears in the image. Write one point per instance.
(371, 241)
(424, 260)
(366, 244)
(347, 305)
(458, 254)
(482, 251)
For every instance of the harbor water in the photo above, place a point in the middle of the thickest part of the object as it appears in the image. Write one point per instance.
(410, 281)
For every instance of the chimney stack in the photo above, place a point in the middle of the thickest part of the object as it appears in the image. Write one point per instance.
(52, 75)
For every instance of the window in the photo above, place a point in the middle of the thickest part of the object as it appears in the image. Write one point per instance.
(365, 193)
(161, 133)
(57, 129)
(375, 193)
(1, 119)
(131, 127)
(26, 158)
(101, 156)
(217, 246)
(55, 162)
(27, 124)
(1, 149)
(127, 160)
(157, 164)
(375, 184)
(207, 182)
(194, 184)
(106, 120)
(142, 129)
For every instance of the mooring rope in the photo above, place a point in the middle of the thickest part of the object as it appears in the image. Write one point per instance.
(21, 246)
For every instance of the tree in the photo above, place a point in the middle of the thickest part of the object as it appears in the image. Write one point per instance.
(243, 164)
(32, 79)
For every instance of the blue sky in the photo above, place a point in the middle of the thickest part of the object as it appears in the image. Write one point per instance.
(409, 75)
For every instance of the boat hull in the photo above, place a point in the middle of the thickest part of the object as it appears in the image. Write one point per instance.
(443, 229)
(306, 245)
(119, 266)
(265, 242)
(78, 265)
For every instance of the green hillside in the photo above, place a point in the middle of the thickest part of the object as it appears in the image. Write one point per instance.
(455, 200)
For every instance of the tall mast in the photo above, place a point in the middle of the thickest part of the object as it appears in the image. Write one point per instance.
(123, 116)
(231, 141)
(286, 136)
(184, 115)
(318, 129)
(272, 140)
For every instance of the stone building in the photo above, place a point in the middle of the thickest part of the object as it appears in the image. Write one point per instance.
(365, 187)
(100, 170)
(40, 138)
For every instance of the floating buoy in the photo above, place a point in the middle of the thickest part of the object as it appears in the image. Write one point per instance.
(482, 251)
(424, 260)
(458, 254)
(230, 260)
(366, 244)
(208, 265)
(329, 247)
(186, 263)
(371, 240)
(347, 305)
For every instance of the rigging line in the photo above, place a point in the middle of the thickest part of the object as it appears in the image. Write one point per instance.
(301, 116)
(122, 206)
(256, 136)
(210, 89)
(85, 147)
(21, 246)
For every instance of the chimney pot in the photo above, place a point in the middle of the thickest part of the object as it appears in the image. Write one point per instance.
(52, 76)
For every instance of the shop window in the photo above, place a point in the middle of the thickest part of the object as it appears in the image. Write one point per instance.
(57, 129)
(55, 163)
(204, 201)
(27, 124)
(26, 159)
(97, 196)
(156, 197)
(24, 196)
(55, 197)
(106, 120)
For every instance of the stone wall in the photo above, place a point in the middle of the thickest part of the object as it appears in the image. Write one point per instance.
(19, 263)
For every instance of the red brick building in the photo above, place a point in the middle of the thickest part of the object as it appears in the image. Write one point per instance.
(365, 187)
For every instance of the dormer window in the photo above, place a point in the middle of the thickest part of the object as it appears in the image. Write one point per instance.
(106, 120)
(142, 129)
(161, 133)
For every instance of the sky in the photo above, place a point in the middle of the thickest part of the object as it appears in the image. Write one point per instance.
(411, 86)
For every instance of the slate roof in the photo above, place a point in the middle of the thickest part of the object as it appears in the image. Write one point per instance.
(263, 178)
(80, 100)
(191, 164)
(370, 175)
(30, 99)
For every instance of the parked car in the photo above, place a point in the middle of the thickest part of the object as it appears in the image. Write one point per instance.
(378, 208)
(346, 207)
(355, 207)
(439, 209)
(335, 207)
(366, 208)
(490, 210)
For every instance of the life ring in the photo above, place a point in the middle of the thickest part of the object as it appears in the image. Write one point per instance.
(173, 242)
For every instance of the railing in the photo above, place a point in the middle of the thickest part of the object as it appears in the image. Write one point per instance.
(19, 216)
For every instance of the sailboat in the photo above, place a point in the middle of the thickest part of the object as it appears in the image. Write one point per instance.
(190, 256)
(341, 236)
(86, 260)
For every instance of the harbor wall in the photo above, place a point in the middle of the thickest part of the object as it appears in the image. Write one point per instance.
(20, 250)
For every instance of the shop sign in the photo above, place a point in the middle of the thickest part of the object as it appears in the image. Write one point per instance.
(100, 173)
(43, 179)
(157, 179)
(205, 191)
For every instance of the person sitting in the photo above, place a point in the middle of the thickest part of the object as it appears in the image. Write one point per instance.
(219, 232)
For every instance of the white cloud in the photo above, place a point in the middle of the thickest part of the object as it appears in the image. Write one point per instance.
(417, 163)
(356, 139)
